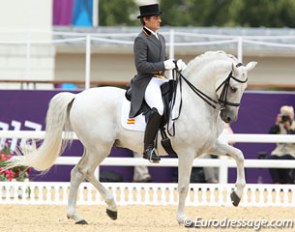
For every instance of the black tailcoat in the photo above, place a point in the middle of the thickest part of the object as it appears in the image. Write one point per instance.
(149, 54)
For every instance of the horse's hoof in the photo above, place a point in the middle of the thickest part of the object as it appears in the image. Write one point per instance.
(235, 198)
(190, 224)
(81, 222)
(112, 214)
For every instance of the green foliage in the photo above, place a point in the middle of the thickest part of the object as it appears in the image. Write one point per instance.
(117, 12)
(221, 13)
(229, 13)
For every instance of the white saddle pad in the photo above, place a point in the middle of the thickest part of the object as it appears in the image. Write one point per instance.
(136, 124)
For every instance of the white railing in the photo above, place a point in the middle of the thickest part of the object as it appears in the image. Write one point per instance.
(146, 194)
(137, 193)
(223, 163)
(126, 39)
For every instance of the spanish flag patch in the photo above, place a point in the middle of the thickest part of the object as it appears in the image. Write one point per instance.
(131, 121)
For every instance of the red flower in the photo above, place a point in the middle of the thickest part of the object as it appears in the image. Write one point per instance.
(5, 157)
(17, 173)
(9, 174)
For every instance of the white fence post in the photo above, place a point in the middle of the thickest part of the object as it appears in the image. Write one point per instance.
(28, 56)
(240, 49)
(223, 170)
(171, 48)
(88, 61)
(171, 42)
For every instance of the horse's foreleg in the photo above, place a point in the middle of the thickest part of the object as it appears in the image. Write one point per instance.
(237, 155)
(236, 196)
(184, 172)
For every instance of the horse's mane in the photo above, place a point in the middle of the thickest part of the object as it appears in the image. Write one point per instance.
(209, 56)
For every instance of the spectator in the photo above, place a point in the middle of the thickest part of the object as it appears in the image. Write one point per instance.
(283, 151)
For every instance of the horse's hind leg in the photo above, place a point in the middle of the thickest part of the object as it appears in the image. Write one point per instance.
(76, 178)
(85, 169)
(111, 211)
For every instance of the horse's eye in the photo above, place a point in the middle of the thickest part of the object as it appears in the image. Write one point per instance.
(233, 89)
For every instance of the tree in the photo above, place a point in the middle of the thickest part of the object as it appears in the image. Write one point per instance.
(205, 13)
(230, 13)
(267, 13)
(117, 12)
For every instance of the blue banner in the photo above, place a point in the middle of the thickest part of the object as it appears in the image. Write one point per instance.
(82, 13)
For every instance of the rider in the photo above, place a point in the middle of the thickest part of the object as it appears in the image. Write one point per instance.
(150, 62)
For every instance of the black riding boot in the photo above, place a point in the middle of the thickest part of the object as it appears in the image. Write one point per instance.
(151, 131)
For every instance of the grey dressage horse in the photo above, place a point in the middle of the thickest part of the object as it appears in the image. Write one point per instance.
(94, 116)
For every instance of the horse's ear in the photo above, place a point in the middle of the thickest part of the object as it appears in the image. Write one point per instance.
(251, 65)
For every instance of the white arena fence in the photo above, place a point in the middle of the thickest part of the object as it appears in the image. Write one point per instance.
(26, 39)
(56, 193)
(157, 193)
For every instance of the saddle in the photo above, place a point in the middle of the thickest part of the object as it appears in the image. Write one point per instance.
(167, 93)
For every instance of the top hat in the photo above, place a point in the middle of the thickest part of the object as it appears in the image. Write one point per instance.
(149, 10)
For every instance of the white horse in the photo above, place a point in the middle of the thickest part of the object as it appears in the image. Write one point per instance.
(94, 116)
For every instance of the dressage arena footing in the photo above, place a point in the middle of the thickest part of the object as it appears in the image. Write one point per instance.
(134, 218)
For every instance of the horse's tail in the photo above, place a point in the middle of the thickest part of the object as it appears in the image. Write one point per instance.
(55, 141)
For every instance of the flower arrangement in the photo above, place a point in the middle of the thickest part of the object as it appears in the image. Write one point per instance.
(17, 173)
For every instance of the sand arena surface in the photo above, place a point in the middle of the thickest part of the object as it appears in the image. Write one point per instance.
(42, 218)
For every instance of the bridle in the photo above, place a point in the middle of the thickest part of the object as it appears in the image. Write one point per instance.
(221, 102)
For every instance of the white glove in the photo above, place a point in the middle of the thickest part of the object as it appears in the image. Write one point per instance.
(181, 65)
(169, 64)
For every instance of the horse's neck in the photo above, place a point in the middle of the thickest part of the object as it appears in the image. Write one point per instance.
(203, 78)
(194, 104)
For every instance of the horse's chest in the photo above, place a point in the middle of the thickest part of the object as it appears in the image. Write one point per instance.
(208, 141)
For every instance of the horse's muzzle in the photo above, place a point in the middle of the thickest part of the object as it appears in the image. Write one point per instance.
(227, 115)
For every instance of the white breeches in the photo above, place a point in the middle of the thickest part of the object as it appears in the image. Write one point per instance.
(153, 95)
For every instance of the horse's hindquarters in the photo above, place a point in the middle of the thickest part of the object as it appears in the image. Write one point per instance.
(94, 113)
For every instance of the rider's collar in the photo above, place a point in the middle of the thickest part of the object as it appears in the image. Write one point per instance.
(149, 32)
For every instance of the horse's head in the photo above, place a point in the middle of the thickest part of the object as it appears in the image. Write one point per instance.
(231, 87)
(220, 80)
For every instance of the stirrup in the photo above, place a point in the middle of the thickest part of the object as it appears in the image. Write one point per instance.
(151, 154)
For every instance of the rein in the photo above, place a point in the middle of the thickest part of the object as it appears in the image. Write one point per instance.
(222, 101)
